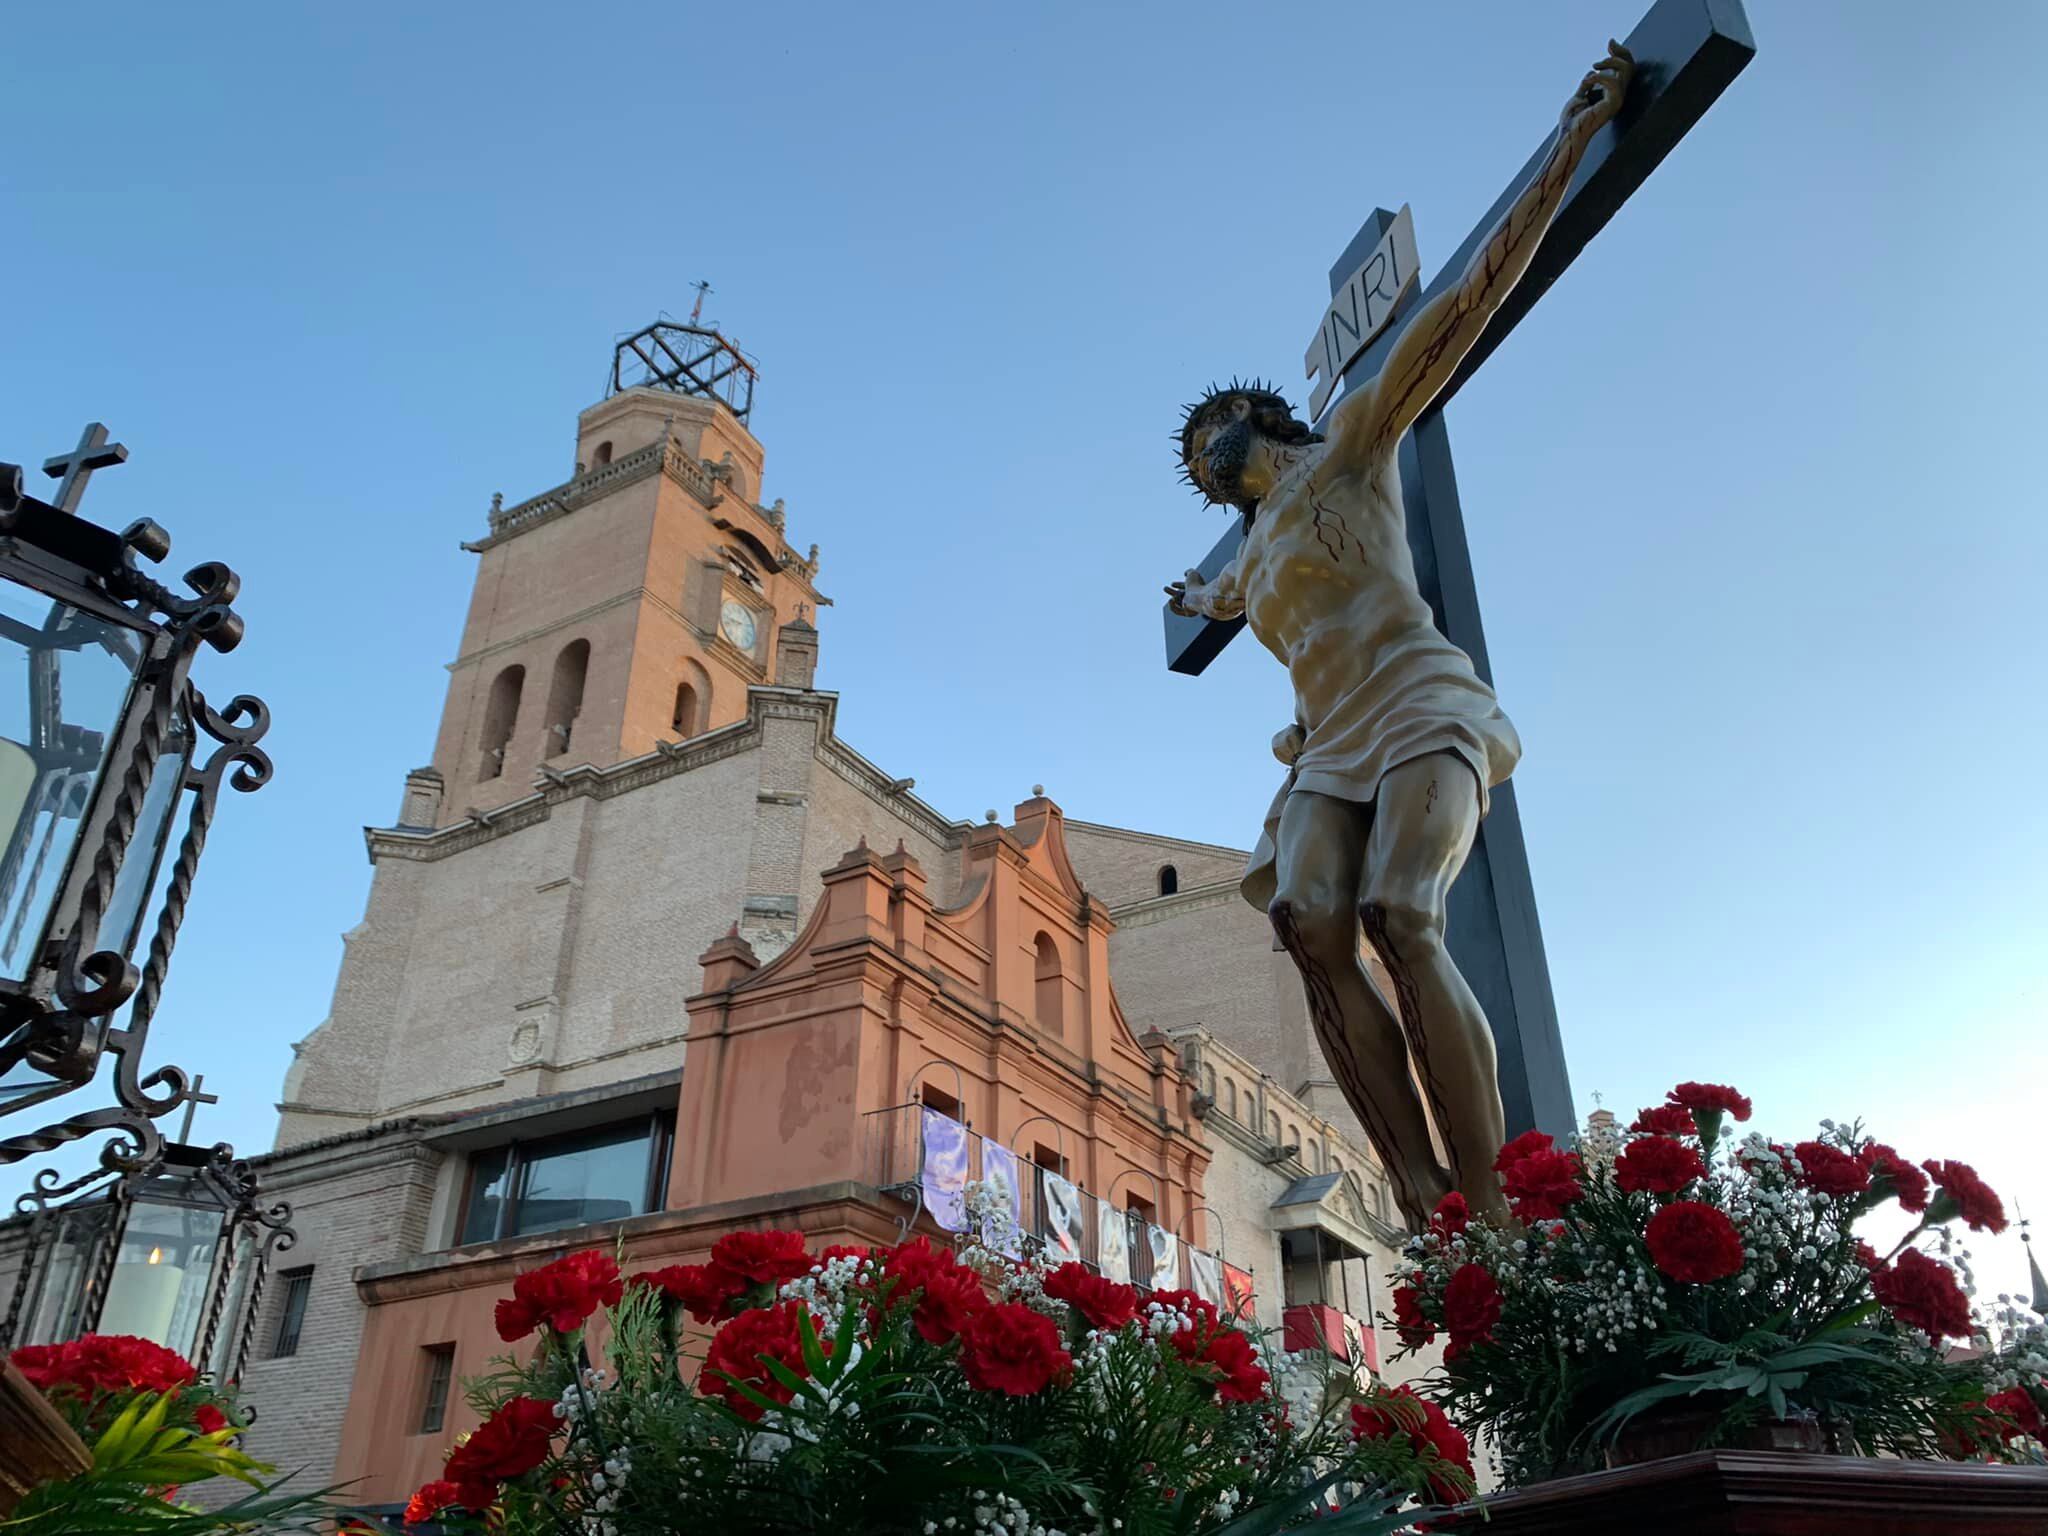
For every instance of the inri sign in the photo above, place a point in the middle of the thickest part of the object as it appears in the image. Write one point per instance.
(1361, 309)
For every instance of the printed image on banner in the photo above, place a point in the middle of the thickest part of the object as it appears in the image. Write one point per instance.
(999, 1174)
(1205, 1276)
(1063, 1220)
(1112, 1243)
(1165, 1248)
(1237, 1291)
(945, 1170)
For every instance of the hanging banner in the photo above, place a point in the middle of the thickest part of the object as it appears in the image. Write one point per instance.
(1112, 1243)
(1237, 1292)
(1165, 1257)
(999, 1174)
(1205, 1276)
(945, 1170)
(1062, 1219)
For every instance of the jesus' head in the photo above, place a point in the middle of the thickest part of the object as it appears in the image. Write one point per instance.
(1227, 438)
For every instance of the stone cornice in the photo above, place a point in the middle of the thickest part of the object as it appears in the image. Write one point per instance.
(1155, 839)
(655, 458)
(555, 786)
(1158, 909)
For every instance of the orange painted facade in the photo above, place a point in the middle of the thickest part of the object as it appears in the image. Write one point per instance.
(801, 1078)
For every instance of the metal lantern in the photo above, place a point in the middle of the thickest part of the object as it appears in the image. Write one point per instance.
(164, 1251)
(99, 730)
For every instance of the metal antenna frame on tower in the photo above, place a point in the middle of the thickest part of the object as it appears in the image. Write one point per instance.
(690, 359)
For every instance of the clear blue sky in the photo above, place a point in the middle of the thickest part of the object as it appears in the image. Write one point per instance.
(1759, 542)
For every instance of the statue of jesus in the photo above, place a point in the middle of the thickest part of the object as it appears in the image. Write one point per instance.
(1396, 740)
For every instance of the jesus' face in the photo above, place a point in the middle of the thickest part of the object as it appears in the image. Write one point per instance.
(1223, 448)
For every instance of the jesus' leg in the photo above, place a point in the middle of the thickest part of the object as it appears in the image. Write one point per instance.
(1426, 817)
(1321, 860)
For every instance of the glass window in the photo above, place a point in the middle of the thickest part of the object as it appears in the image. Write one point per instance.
(567, 1181)
(440, 1372)
(597, 1177)
(487, 1171)
(291, 1314)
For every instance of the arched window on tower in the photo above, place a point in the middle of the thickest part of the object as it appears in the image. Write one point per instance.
(501, 717)
(1049, 999)
(601, 455)
(1169, 880)
(692, 715)
(1230, 1098)
(1209, 1083)
(565, 697)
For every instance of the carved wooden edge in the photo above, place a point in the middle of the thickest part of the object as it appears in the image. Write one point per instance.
(36, 1445)
(1779, 1493)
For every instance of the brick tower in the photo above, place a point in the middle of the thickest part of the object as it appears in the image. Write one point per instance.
(636, 602)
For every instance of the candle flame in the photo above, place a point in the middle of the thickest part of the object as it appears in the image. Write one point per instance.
(156, 1255)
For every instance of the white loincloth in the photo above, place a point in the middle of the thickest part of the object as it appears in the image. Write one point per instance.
(1422, 696)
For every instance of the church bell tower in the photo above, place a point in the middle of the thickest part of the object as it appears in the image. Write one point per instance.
(636, 602)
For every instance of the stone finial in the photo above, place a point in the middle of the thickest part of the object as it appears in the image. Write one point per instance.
(497, 502)
(1038, 791)
(989, 817)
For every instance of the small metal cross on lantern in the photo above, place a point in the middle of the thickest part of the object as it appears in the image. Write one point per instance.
(73, 469)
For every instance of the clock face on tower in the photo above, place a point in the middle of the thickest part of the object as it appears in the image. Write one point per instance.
(736, 623)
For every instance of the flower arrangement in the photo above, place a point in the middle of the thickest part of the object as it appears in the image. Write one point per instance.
(1724, 1280)
(154, 1427)
(915, 1389)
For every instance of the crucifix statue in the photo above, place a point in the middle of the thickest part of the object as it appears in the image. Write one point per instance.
(1398, 743)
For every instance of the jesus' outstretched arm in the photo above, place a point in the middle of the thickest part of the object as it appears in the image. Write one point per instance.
(1368, 423)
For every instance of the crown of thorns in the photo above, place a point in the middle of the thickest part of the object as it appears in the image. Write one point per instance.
(1257, 391)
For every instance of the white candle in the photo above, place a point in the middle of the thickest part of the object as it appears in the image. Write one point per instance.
(143, 1297)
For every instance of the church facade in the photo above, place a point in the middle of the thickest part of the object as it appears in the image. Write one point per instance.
(650, 954)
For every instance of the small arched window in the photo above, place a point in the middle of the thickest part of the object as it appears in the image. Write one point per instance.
(1230, 1098)
(1049, 997)
(1169, 880)
(501, 717)
(565, 697)
(1209, 1083)
(1315, 1157)
(1273, 1129)
(684, 722)
(601, 455)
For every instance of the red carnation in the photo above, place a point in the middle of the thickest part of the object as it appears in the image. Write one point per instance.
(1451, 1216)
(1522, 1146)
(431, 1500)
(950, 1299)
(1658, 1165)
(104, 1362)
(1104, 1303)
(1922, 1293)
(211, 1420)
(913, 1262)
(1542, 1184)
(1867, 1256)
(1897, 1176)
(705, 1290)
(1664, 1120)
(1694, 1243)
(1964, 1194)
(737, 1349)
(1710, 1098)
(513, 1440)
(1472, 1306)
(1415, 1329)
(1012, 1349)
(561, 1295)
(1830, 1171)
(1438, 1439)
(763, 1258)
(1239, 1376)
(2022, 1415)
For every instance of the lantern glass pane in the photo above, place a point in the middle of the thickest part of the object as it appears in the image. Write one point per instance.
(163, 1269)
(64, 681)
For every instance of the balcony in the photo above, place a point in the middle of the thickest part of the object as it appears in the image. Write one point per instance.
(1313, 1325)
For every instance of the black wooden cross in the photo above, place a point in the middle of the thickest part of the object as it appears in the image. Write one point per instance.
(76, 467)
(1687, 52)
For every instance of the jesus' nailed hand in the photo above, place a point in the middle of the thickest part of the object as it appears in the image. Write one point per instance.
(1397, 741)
